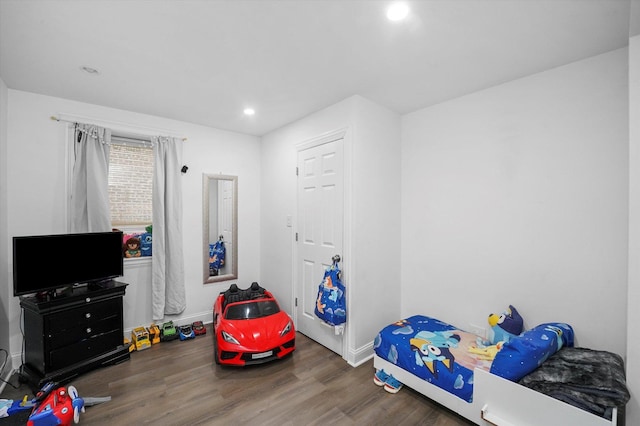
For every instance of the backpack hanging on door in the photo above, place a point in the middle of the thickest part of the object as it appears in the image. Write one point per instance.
(331, 305)
(217, 253)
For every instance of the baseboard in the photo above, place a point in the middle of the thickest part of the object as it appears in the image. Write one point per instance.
(6, 379)
(360, 355)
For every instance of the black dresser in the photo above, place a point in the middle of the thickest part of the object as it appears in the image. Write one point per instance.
(73, 332)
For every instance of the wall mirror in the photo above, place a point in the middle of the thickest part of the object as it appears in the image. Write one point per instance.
(220, 227)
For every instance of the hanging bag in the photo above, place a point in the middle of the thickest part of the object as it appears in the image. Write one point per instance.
(331, 305)
(217, 253)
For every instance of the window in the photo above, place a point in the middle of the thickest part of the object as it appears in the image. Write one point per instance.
(130, 185)
(131, 196)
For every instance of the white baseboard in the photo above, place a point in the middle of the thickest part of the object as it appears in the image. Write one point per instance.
(360, 355)
(5, 379)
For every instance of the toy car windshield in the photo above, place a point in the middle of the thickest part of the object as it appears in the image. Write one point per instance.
(252, 310)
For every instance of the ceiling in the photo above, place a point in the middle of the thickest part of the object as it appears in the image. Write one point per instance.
(205, 61)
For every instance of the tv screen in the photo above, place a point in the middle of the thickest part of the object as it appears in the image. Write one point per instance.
(47, 262)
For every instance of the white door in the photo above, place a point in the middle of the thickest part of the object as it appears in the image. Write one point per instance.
(320, 233)
(225, 221)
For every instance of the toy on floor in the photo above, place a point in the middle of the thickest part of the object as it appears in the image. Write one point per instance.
(154, 333)
(186, 332)
(52, 405)
(198, 328)
(168, 332)
(140, 338)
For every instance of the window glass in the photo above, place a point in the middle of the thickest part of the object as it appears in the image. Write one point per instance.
(130, 185)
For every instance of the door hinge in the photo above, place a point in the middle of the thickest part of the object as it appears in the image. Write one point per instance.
(296, 302)
(296, 171)
(296, 236)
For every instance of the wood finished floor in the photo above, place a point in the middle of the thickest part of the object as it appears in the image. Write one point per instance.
(177, 383)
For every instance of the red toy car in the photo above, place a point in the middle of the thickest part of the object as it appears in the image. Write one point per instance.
(249, 327)
(198, 328)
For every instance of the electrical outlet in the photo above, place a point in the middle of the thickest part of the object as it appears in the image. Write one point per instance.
(478, 331)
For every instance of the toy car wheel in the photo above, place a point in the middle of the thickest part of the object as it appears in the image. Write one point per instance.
(215, 348)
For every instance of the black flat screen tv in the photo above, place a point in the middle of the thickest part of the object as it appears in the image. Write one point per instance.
(47, 262)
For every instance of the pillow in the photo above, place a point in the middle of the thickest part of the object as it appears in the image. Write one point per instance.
(523, 354)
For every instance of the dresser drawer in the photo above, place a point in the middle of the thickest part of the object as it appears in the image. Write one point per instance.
(82, 316)
(84, 349)
(82, 331)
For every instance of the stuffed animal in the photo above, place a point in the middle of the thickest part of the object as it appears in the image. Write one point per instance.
(505, 326)
(132, 247)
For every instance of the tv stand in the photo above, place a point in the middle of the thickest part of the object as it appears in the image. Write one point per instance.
(72, 332)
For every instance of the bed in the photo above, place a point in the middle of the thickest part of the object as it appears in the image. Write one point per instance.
(433, 358)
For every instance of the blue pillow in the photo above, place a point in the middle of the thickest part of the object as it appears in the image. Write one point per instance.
(523, 354)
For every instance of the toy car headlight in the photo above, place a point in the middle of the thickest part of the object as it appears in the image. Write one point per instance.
(286, 329)
(229, 338)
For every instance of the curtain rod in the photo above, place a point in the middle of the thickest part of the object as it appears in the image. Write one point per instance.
(54, 118)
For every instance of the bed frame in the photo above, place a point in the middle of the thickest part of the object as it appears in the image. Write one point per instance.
(497, 401)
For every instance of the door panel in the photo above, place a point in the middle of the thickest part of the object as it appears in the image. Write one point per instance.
(320, 237)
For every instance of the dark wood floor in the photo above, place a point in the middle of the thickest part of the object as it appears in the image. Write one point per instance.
(177, 383)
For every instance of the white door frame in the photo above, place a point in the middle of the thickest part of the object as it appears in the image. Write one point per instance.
(346, 260)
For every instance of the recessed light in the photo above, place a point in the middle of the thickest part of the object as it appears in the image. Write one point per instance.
(249, 111)
(90, 70)
(397, 11)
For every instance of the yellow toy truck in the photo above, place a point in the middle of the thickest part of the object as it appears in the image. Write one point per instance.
(154, 333)
(140, 338)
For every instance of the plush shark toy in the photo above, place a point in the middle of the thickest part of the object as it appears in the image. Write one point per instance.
(506, 325)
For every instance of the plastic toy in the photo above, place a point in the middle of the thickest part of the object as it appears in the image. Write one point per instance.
(168, 332)
(130, 345)
(140, 338)
(52, 405)
(154, 333)
(249, 327)
(60, 407)
(199, 328)
(186, 332)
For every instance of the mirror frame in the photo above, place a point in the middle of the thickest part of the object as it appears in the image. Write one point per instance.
(233, 274)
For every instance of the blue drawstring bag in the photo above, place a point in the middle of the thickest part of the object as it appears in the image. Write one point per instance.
(217, 254)
(331, 306)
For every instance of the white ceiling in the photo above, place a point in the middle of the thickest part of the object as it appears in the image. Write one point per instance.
(204, 61)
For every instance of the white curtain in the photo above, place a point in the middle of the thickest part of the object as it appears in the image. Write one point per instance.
(89, 183)
(168, 291)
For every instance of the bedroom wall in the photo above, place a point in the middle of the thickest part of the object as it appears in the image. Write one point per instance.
(633, 313)
(371, 263)
(4, 240)
(518, 195)
(37, 193)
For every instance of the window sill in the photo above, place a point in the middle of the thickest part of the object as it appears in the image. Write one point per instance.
(136, 262)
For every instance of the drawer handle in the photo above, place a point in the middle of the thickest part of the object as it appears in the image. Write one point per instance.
(89, 330)
(87, 315)
(88, 299)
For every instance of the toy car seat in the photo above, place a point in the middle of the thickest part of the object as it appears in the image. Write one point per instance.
(255, 291)
(232, 295)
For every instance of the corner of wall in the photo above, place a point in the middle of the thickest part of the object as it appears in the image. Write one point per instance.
(4, 237)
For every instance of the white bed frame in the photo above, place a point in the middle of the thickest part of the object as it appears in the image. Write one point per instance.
(497, 401)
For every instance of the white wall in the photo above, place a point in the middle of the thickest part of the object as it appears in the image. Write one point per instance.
(372, 239)
(633, 300)
(4, 240)
(518, 195)
(37, 191)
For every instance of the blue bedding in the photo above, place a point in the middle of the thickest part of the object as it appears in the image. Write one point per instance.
(439, 352)
(432, 350)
